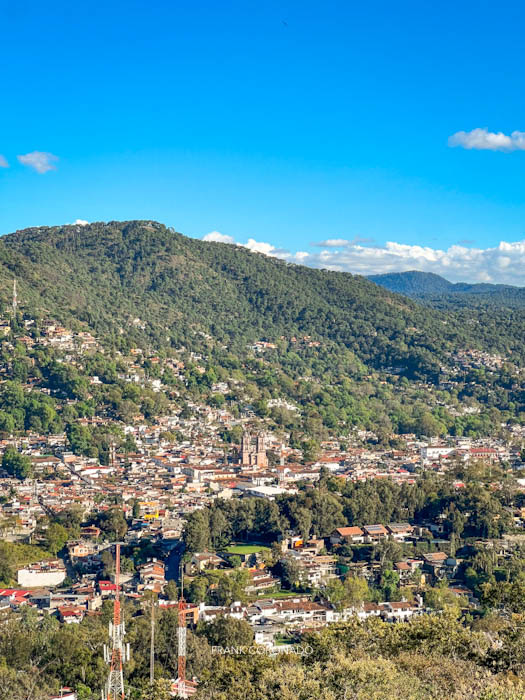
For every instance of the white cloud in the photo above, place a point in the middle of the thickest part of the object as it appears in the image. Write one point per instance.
(485, 140)
(81, 222)
(502, 264)
(259, 247)
(251, 244)
(217, 237)
(39, 161)
(332, 243)
(3, 162)
(341, 242)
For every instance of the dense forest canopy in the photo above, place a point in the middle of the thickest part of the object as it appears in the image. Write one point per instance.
(104, 273)
(342, 349)
(438, 292)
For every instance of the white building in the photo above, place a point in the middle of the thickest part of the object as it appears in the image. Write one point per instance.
(435, 451)
(42, 574)
(65, 694)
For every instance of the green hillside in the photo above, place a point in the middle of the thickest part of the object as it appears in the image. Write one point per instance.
(438, 292)
(346, 351)
(107, 274)
(413, 282)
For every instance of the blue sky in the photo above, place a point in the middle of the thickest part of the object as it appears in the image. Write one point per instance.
(281, 123)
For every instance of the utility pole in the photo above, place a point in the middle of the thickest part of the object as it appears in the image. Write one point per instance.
(152, 644)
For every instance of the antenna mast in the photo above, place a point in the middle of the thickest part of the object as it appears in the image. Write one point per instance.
(15, 299)
(181, 639)
(119, 653)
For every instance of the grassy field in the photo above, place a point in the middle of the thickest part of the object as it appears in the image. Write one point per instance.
(282, 594)
(246, 549)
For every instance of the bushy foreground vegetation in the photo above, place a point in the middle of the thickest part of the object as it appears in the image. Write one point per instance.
(432, 657)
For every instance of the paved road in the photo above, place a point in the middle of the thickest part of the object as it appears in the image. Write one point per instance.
(173, 563)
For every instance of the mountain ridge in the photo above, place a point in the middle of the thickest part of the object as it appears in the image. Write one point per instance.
(340, 349)
(438, 292)
(430, 282)
(106, 274)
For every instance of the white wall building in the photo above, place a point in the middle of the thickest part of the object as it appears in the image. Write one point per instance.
(42, 574)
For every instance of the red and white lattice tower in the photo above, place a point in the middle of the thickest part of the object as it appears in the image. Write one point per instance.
(181, 641)
(117, 653)
(182, 687)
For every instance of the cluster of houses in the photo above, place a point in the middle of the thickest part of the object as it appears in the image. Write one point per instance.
(40, 587)
(162, 482)
(180, 464)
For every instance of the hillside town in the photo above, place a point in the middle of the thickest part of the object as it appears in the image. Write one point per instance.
(63, 510)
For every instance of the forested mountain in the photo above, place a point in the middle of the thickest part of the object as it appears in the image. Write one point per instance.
(439, 292)
(108, 274)
(345, 351)
(413, 283)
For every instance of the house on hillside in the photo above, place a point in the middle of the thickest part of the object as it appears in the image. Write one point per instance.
(349, 535)
(400, 531)
(375, 533)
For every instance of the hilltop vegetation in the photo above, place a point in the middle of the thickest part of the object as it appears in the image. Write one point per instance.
(440, 293)
(430, 658)
(345, 352)
(106, 274)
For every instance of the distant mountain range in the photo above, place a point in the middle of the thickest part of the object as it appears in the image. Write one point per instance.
(428, 286)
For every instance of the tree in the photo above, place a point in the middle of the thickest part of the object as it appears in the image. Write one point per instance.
(56, 537)
(197, 590)
(17, 684)
(505, 595)
(390, 584)
(310, 450)
(356, 590)
(113, 524)
(71, 518)
(304, 522)
(218, 527)
(289, 572)
(327, 513)
(159, 690)
(335, 593)
(80, 440)
(197, 531)
(7, 422)
(171, 591)
(442, 598)
(227, 632)
(17, 464)
(7, 562)
(387, 551)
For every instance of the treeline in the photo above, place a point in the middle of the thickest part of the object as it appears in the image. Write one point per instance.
(431, 658)
(475, 510)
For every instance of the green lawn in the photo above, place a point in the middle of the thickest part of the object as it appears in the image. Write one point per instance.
(246, 549)
(281, 594)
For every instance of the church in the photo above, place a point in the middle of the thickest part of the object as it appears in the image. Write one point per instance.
(253, 452)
